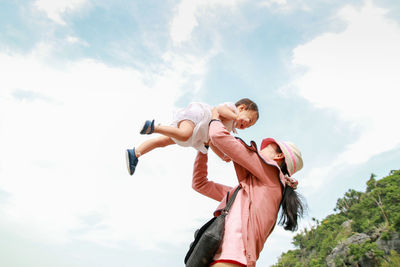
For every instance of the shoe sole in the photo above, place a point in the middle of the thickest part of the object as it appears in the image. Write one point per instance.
(142, 131)
(127, 158)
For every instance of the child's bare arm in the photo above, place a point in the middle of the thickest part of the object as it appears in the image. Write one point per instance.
(226, 113)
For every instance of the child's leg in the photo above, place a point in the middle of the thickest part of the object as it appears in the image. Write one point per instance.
(182, 133)
(153, 143)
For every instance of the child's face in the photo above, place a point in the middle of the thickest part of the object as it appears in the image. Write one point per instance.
(246, 118)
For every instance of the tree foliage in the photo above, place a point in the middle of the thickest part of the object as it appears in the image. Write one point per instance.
(375, 212)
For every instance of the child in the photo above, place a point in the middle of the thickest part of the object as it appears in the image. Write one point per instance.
(190, 128)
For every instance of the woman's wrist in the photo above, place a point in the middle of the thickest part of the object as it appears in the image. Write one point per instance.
(213, 120)
(214, 115)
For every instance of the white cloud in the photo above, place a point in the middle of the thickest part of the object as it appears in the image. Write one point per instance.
(356, 73)
(284, 6)
(75, 40)
(269, 3)
(63, 133)
(184, 21)
(55, 9)
(187, 13)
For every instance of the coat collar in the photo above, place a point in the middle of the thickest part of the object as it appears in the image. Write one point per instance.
(253, 147)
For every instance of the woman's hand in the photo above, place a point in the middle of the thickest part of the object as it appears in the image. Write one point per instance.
(226, 158)
(215, 114)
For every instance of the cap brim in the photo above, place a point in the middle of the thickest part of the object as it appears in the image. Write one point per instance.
(265, 142)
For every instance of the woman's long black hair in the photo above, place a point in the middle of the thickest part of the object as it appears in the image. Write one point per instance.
(292, 205)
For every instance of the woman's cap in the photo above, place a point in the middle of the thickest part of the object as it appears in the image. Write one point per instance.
(293, 159)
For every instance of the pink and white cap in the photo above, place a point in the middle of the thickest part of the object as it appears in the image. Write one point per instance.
(293, 159)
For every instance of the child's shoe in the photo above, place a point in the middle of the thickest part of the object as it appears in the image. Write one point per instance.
(131, 160)
(148, 127)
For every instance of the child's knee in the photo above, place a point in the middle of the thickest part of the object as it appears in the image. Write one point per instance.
(186, 130)
(186, 135)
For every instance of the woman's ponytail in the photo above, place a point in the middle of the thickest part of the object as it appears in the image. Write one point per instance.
(292, 206)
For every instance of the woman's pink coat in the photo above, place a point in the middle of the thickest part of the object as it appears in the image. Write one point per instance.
(260, 179)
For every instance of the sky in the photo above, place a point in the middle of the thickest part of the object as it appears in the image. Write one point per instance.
(79, 78)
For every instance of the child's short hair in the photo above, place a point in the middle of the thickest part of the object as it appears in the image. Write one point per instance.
(250, 105)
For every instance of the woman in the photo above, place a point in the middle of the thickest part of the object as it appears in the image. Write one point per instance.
(266, 185)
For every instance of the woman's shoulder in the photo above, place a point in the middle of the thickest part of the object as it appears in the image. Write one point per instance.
(266, 162)
(252, 146)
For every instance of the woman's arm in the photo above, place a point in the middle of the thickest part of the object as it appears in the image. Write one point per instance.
(219, 153)
(200, 182)
(237, 151)
(226, 112)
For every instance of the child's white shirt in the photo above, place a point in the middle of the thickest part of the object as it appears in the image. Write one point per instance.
(200, 115)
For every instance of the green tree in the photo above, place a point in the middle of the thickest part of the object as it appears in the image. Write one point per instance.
(377, 210)
(350, 198)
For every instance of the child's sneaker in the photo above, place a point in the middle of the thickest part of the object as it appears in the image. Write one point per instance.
(148, 127)
(131, 160)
